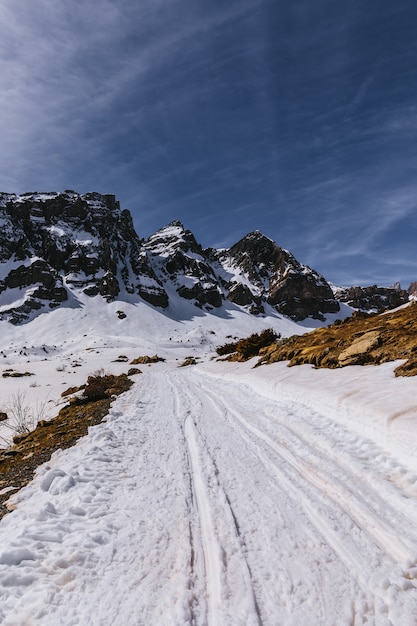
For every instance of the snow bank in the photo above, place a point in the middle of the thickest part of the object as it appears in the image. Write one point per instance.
(368, 400)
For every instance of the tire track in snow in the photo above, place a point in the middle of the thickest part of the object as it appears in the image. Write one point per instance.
(289, 485)
(381, 533)
(211, 557)
(275, 585)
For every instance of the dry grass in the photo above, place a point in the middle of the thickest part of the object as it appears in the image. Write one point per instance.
(189, 360)
(146, 360)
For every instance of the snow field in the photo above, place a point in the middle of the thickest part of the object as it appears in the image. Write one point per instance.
(200, 501)
(63, 347)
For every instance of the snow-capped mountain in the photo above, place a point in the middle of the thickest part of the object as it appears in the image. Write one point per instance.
(183, 267)
(56, 245)
(260, 271)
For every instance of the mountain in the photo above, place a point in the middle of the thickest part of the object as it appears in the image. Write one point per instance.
(55, 246)
(183, 267)
(260, 271)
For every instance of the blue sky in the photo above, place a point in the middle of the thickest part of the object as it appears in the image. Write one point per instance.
(295, 118)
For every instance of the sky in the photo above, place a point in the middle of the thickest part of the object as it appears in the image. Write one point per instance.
(297, 118)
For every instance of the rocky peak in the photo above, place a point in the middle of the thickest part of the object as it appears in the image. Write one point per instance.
(180, 262)
(412, 289)
(171, 238)
(279, 279)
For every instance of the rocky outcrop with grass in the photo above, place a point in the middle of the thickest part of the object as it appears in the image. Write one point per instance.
(359, 340)
(248, 347)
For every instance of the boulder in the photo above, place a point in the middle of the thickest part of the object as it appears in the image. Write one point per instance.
(359, 348)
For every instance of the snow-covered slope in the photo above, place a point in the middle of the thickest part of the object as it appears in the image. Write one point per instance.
(63, 346)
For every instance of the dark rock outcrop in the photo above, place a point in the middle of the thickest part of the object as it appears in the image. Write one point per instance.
(182, 263)
(372, 298)
(240, 294)
(277, 278)
(55, 242)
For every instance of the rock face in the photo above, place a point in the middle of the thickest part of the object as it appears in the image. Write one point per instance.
(412, 290)
(182, 264)
(53, 243)
(360, 346)
(372, 298)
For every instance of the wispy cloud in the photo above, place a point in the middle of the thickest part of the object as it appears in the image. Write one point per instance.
(286, 117)
(65, 67)
(363, 89)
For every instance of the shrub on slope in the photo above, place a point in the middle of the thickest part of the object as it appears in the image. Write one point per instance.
(249, 347)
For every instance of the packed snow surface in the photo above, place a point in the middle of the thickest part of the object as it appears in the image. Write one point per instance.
(216, 494)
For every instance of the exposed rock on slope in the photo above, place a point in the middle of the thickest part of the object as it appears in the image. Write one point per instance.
(360, 340)
(52, 242)
(181, 263)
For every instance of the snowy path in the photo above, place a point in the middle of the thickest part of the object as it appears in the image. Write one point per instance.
(201, 502)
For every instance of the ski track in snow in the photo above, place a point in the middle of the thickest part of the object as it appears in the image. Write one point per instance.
(200, 502)
(218, 558)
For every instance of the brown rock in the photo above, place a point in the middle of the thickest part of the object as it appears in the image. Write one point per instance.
(133, 371)
(360, 346)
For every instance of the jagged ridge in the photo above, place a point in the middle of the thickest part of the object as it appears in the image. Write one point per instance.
(54, 246)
